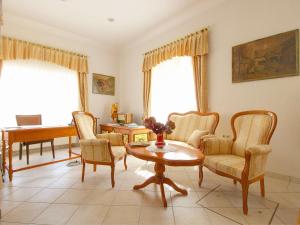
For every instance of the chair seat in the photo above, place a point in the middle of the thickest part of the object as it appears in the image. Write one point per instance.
(37, 142)
(229, 164)
(119, 152)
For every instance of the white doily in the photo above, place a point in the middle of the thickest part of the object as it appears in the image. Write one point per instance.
(166, 148)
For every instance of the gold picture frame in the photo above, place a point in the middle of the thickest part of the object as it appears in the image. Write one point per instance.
(103, 84)
(271, 57)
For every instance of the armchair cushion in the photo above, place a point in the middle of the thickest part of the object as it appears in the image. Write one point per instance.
(226, 163)
(195, 137)
(214, 145)
(115, 139)
(119, 152)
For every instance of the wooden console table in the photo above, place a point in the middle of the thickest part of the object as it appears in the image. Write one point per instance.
(33, 133)
(130, 131)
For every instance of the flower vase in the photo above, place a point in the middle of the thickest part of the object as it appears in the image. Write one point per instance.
(160, 140)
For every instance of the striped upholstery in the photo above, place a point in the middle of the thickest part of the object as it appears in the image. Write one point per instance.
(228, 156)
(85, 125)
(186, 124)
(95, 150)
(229, 164)
(115, 139)
(251, 129)
(214, 145)
(258, 160)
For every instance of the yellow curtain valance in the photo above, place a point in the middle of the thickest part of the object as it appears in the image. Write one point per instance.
(195, 44)
(17, 49)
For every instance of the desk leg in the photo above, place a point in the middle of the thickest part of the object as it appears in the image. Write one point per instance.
(10, 166)
(130, 137)
(3, 155)
(70, 146)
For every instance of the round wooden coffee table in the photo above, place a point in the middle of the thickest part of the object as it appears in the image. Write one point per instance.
(178, 156)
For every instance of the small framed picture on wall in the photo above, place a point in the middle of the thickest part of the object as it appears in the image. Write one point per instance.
(103, 84)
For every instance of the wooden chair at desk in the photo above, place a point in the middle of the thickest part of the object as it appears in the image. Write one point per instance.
(27, 120)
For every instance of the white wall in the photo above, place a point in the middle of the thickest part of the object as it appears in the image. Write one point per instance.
(101, 59)
(231, 23)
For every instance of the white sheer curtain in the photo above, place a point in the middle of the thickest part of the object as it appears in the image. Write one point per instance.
(172, 88)
(35, 87)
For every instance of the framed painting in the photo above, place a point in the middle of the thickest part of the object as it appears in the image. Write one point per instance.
(271, 57)
(103, 84)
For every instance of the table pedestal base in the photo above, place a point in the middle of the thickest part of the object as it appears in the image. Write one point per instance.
(160, 179)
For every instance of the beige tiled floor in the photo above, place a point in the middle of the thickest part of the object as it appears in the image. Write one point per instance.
(55, 195)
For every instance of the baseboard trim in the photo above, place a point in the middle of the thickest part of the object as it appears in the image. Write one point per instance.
(282, 177)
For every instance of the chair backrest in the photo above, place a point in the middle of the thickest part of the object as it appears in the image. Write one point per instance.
(85, 124)
(252, 128)
(24, 120)
(186, 123)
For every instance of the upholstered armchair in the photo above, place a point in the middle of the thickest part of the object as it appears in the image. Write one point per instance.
(100, 149)
(244, 157)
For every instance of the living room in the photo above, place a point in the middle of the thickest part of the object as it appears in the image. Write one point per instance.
(116, 46)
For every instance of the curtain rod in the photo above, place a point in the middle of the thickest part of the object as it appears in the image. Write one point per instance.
(179, 39)
(44, 46)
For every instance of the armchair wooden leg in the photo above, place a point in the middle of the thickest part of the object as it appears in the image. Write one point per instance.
(27, 154)
(83, 171)
(200, 175)
(262, 187)
(41, 149)
(95, 167)
(52, 148)
(234, 181)
(125, 165)
(112, 175)
(20, 151)
(245, 187)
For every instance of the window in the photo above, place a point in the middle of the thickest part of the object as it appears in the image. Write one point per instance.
(172, 88)
(36, 87)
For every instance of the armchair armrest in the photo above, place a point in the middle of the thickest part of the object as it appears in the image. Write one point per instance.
(96, 150)
(115, 139)
(256, 159)
(213, 145)
(259, 149)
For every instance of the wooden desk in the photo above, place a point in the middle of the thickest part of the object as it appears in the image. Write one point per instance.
(33, 133)
(130, 131)
(177, 156)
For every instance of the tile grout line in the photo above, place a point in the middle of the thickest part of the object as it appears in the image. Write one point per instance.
(271, 219)
(209, 192)
(222, 215)
(141, 208)
(72, 214)
(49, 204)
(212, 190)
(173, 213)
(110, 206)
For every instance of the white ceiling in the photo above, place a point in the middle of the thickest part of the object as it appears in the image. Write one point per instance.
(89, 18)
